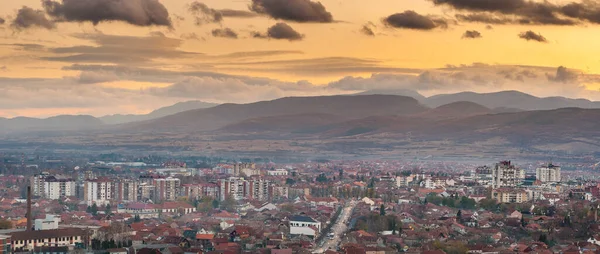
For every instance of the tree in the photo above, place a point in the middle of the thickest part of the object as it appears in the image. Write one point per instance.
(290, 181)
(341, 174)
(5, 224)
(94, 209)
(523, 222)
(229, 203)
(137, 218)
(321, 178)
(382, 210)
(215, 203)
(543, 238)
(459, 214)
(108, 209)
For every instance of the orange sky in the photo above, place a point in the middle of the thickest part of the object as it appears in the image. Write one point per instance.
(572, 46)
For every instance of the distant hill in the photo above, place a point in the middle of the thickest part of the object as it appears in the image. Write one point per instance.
(61, 122)
(401, 92)
(512, 99)
(350, 107)
(165, 111)
(285, 123)
(456, 110)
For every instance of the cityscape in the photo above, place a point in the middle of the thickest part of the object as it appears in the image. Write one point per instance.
(299, 126)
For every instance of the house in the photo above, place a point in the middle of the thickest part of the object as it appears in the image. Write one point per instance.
(304, 225)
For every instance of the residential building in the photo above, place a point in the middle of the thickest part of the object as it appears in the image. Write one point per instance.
(126, 190)
(258, 189)
(505, 174)
(56, 188)
(548, 173)
(239, 168)
(483, 175)
(192, 191)
(167, 188)
(509, 195)
(145, 192)
(232, 186)
(99, 191)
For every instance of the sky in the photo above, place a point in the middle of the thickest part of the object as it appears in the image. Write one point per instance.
(102, 57)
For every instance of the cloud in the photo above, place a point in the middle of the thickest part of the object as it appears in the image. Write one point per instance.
(471, 34)
(280, 31)
(484, 18)
(224, 33)
(237, 13)
(29, 18)
(526, 11)
(191, 36)
(120, 49)
(367, 30)
(203, 14)
(530, 35)
(412, 20)
(563, 75)
(293, 10)
(2, 21)
(135, 12)
(489, 27)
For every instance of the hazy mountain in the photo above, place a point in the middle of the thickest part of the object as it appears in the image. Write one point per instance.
(401, 92)
(350, 107)
(165, 111)
(456, 110)
(512, 99)
(61, 122)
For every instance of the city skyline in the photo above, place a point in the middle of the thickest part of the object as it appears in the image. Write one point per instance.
(59, 59)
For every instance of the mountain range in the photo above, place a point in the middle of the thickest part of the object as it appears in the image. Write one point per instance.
(465, 119)
(165, 111)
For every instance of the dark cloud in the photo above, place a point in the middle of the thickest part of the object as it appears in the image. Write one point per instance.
(563, 75)
(2, 21)
(191, 36)
(135, 12)
(293, 10)
(225, 33)
(26, 46)
(29, 18)
(532, 36)
(484, 18)
(237, 13)
(413, 20)
(283, 31)
(203, 14)
(367, 30)
(526, 11)
(489, 27)
(471, 34)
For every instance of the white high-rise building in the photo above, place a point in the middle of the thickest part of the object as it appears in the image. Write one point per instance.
(548, 173)
(504, 174)
(234, 187)
(99, 191)
(59, 188)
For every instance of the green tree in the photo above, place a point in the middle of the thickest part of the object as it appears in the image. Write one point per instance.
(382, 210)
(290, 181)
(94, 209)
(215, 203)
(137, 218)
(108, 209)
(229, 203)
(459, 214)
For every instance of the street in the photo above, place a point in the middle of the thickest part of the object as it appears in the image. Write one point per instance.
(340, 227)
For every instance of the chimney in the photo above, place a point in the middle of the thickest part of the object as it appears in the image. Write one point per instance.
(29, 222)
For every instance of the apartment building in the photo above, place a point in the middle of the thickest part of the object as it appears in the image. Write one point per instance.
(509, 195)
(505, 174)
(99, 191)
(548, 173)
(167, 189)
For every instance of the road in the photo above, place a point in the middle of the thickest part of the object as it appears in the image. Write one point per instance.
(340, 227)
